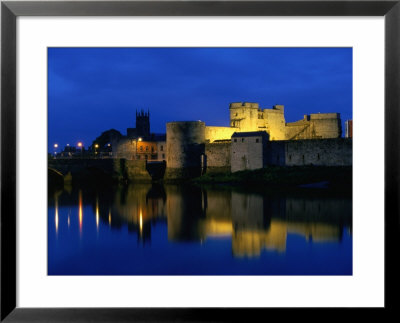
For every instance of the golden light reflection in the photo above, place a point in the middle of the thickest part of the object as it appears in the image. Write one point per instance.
(97, 214)
(69, 221)
(218, 228)
(56, 214)
(80, 212)
(109, 217)
(140, 222)
(250, 242)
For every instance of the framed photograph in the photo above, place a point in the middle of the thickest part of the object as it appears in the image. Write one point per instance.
(162, 159)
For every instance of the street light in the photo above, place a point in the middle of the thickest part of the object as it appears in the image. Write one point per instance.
(95, 147)
(55, 149)
(80, 145)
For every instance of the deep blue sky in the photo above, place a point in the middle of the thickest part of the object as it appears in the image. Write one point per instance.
(91, 90)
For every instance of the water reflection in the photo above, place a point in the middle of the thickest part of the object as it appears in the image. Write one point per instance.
(56, 213)
(255, 222)
(97, 214)
(80, 212)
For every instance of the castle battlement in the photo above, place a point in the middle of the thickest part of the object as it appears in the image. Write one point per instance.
(320, 116)
(245, 105)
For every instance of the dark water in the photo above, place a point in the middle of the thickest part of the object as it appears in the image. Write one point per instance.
(188, 230)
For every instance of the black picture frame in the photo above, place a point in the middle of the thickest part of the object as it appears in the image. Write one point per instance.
(10, 10)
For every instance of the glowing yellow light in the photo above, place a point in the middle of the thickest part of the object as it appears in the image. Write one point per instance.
(97, 214)
(96, 146)
(69, 221)
(55, 145)
(139, 139)
(80, 144)
(140, 221)
(80, 212)
(109, 217)
(56, 216)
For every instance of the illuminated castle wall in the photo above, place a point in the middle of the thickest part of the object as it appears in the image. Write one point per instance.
(255, 138)
(248, 117)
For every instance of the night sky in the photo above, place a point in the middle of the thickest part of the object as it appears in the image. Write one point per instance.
(91, 90)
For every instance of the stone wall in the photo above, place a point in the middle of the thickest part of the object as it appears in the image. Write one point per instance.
(322, 152)
(327, 127)
(315, 126)
(276, 153)
(161, 150)
(131, 170)
(247, 152)
(219, 133)
(126, 148)
(218, 156)
(274, 123)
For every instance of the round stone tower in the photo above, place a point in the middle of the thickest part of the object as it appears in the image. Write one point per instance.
(185, 147)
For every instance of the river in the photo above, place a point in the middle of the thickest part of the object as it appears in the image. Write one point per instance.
(146, 229)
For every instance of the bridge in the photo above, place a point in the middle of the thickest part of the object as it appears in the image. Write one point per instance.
(61, 170)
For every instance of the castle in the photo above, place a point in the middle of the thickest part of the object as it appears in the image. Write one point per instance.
(249, 117)
(255, 139)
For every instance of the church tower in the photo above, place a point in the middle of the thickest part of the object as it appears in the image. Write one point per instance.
(143, 124)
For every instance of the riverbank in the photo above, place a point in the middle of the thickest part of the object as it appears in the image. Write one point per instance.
(297, 176)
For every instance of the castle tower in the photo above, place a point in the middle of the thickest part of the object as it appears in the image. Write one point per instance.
(244, 115)
(143, 123)
(185, 147)
(273, 121)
